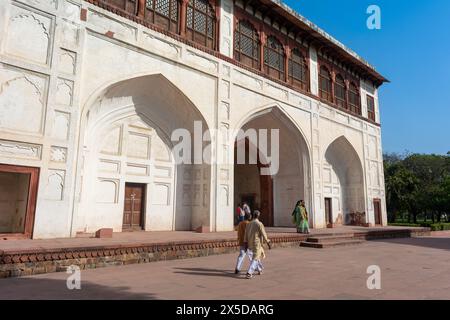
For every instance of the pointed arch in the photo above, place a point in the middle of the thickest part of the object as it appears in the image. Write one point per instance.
(140, 114)
(344, 181)
(267, 108)
(278, 192)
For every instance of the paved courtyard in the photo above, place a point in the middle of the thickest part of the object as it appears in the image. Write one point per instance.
(415, 268)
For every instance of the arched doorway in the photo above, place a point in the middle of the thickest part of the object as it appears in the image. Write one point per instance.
(343, 182)
(130, 175)
(276, 194)
(253, 187)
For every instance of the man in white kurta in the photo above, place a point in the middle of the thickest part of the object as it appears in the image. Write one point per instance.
(255, 236)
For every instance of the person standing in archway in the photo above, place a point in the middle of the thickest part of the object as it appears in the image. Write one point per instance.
(246, 209)
(304, 215)
(300, 217)
(255, 236)
(296, 216)
(240, 213)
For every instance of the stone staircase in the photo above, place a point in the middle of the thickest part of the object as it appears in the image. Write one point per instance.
(330, 241)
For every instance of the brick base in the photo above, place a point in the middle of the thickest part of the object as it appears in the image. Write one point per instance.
(104, 233)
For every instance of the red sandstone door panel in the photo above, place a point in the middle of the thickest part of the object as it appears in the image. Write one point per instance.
(133, 211)
(266, 185)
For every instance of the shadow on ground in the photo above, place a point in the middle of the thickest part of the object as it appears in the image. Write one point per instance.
(56, 289)
(206, 272)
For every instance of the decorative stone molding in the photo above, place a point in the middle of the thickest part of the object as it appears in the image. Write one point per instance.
(20, 150)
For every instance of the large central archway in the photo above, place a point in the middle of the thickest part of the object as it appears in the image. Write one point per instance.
(129, 175)
(274, 195)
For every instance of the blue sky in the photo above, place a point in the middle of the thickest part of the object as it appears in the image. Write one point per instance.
(412, 50)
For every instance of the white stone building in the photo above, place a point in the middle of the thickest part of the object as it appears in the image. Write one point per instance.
(91, 91)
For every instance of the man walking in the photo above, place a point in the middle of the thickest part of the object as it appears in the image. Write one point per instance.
(243, 248)
(255, 236)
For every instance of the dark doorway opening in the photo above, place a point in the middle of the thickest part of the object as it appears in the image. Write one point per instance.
(329, 212)
(377, 211)
(252, 187)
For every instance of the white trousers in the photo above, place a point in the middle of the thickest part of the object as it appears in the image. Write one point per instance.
(255, 265)
(242, 254)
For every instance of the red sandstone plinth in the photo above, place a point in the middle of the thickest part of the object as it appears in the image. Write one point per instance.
(104, 233)
(202, 229)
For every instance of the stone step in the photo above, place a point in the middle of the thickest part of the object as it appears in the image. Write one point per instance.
(332, 238)
(330, 244)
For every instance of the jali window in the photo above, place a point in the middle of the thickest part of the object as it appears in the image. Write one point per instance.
(325, 84)
(354, 101)
(201, 23)
(339, 91)
(246, 44)
(163, 13)
(371, 108)
(298, 70)
(274, 58)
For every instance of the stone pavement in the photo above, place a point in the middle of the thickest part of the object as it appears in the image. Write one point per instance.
(413, 268)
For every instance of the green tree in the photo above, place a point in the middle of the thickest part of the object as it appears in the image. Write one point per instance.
(417, 184)
(401, 190)
(431, 171)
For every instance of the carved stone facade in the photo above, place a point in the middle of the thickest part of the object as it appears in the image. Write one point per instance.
(91, 98)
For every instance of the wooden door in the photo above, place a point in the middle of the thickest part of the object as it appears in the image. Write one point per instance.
(266, 207)
(377, 211)
(328, 212)
(133, 212)
(33, 179)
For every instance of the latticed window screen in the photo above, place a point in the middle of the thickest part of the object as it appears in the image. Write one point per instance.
(353, 99)
(247, 47)
(163, 13)
(325, 84)
(189, 16)
(174, 10)
(298, 71)
(163, 7)
(200, 21)
(371, 108)
(339, 91)
(246, 44)
(274, 54)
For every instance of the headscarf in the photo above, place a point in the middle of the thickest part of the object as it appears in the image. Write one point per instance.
(298, 203)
